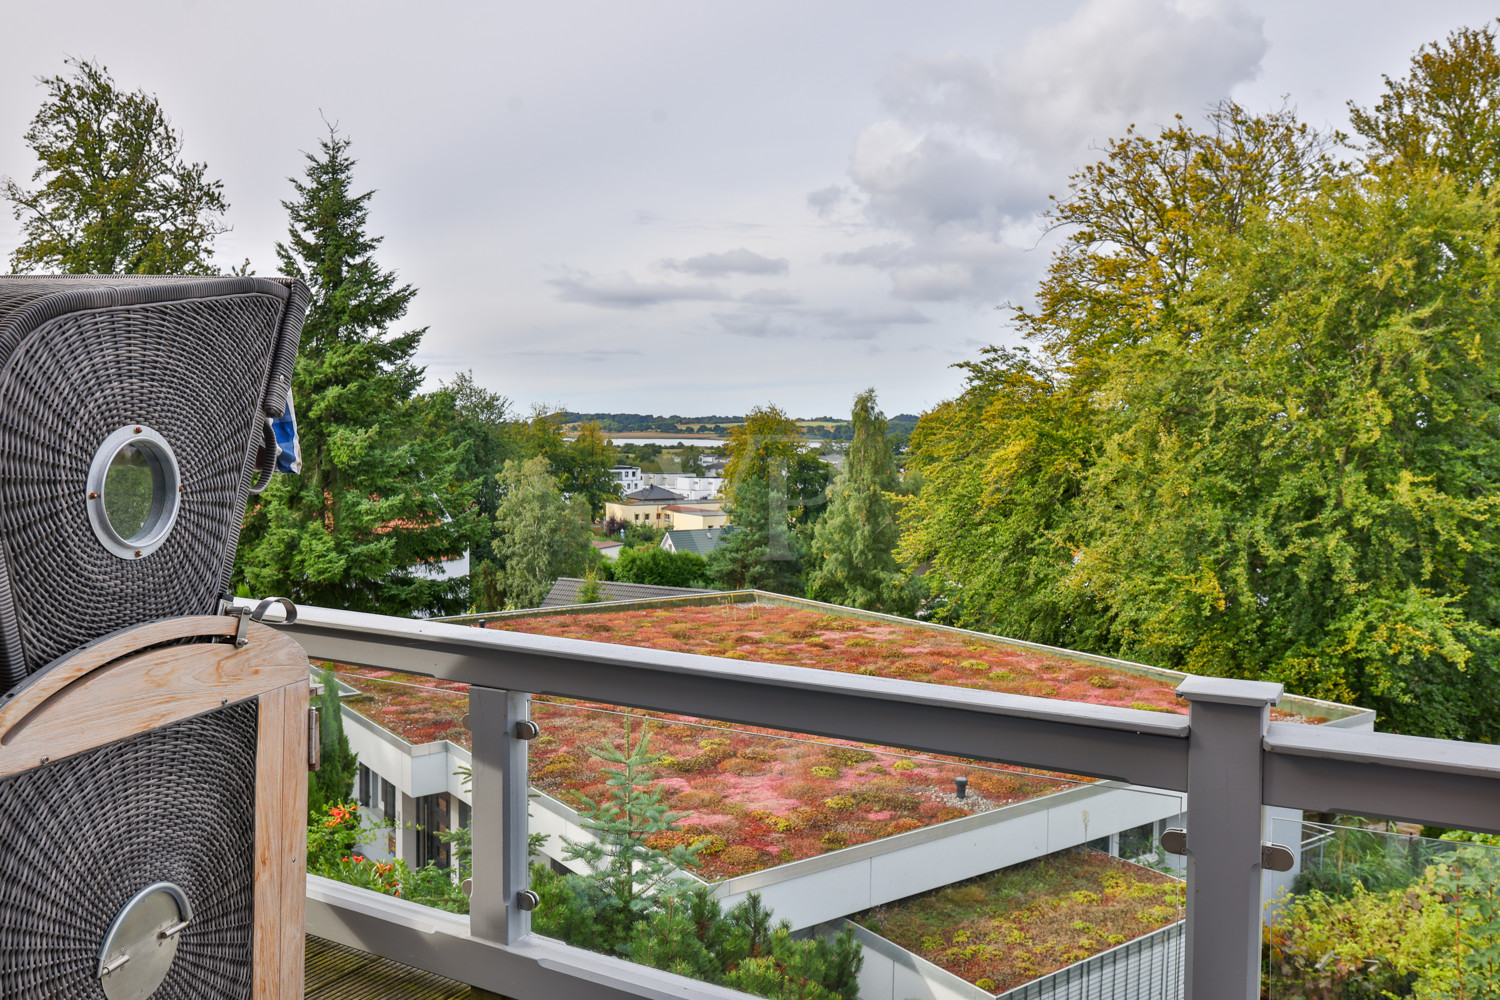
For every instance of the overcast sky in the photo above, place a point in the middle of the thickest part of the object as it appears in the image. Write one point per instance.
(698, 207)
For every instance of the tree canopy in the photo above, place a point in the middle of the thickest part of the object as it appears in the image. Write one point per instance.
(540, 536)
(853, 545)
(1256, 432)
(115, 195)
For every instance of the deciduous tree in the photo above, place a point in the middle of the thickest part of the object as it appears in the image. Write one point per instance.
(115, 195)
(541, 536)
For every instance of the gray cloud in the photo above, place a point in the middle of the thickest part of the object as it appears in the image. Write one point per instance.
(754, 323)
(865, 324)
(621, 291)
(770, 297)
(584, 354)
(736, 261)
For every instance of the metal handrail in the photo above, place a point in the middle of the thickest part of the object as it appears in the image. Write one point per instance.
(1227, 755)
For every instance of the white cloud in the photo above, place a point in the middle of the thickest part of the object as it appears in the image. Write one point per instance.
(971, 149)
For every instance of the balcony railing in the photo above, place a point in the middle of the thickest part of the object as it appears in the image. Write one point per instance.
(1227, 755)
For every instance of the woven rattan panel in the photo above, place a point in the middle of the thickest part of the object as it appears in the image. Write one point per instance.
(195, 371)
(84, 834)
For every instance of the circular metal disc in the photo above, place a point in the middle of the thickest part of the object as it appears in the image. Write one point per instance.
(139, 936)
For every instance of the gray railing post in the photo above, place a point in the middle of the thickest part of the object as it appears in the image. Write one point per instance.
(499, 823)
(1228, 720)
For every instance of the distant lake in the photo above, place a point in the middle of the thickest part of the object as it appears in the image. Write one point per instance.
(666, 440)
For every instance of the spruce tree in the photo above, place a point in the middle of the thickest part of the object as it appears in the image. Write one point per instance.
(853, 544)
(379, 503)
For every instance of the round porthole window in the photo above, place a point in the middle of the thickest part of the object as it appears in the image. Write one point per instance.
(133, 491)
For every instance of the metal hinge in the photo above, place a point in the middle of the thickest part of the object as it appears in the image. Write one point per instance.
(256, 614)
(314, 743)
(1273, 857)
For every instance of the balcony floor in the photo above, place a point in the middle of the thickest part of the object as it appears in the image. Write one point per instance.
(337, 972)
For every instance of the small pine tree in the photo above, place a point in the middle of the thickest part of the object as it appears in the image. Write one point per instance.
(333, 782)
(625, 868)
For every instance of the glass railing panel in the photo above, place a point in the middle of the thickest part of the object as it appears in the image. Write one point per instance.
(1377, 910)
(389, 809)
(1079, 922)
(714, 815)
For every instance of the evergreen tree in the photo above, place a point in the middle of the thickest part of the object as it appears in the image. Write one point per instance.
(115, 195)
(630, 874)
(380, 501)
(332, 783)
(854, 543)
(540, 535)
(767, 548)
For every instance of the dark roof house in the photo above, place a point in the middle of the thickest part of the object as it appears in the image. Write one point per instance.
(565, 592)
(699, 541)
(654, 494)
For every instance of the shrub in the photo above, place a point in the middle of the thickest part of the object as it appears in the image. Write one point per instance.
(824, 772)
(839, 803)
(740, 856)
(848, 756)
(712, 844)
(903, 825)
(978, 666)
(858, 642)
(739, 765)
(1103, 681)
(787, 824)
(758, 753)
(903, 765)
(833, 840)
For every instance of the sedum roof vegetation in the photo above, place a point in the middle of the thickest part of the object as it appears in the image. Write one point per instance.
(755, 798)
(1009, 927)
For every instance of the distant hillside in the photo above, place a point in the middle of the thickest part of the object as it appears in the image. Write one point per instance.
(717, 425)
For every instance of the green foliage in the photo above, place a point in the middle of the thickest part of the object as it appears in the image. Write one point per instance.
(540, 536)
(1366, 945)
(1443, 114)
(629, 873)
(767, 549)
(635, 904)
(590, 592)
(380, 501)
(655, 565)
(482, 424)
(853, 544)
(115, 195)
(1261, 437)
(332, 783)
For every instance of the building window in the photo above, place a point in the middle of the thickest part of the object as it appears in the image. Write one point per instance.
(364, 786)
(432, 819)
(388, 799)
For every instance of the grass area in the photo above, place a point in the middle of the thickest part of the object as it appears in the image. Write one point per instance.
(1007, 928)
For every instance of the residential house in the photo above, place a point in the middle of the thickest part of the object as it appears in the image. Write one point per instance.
(699, 541)
(627, 478)
(696, 516)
